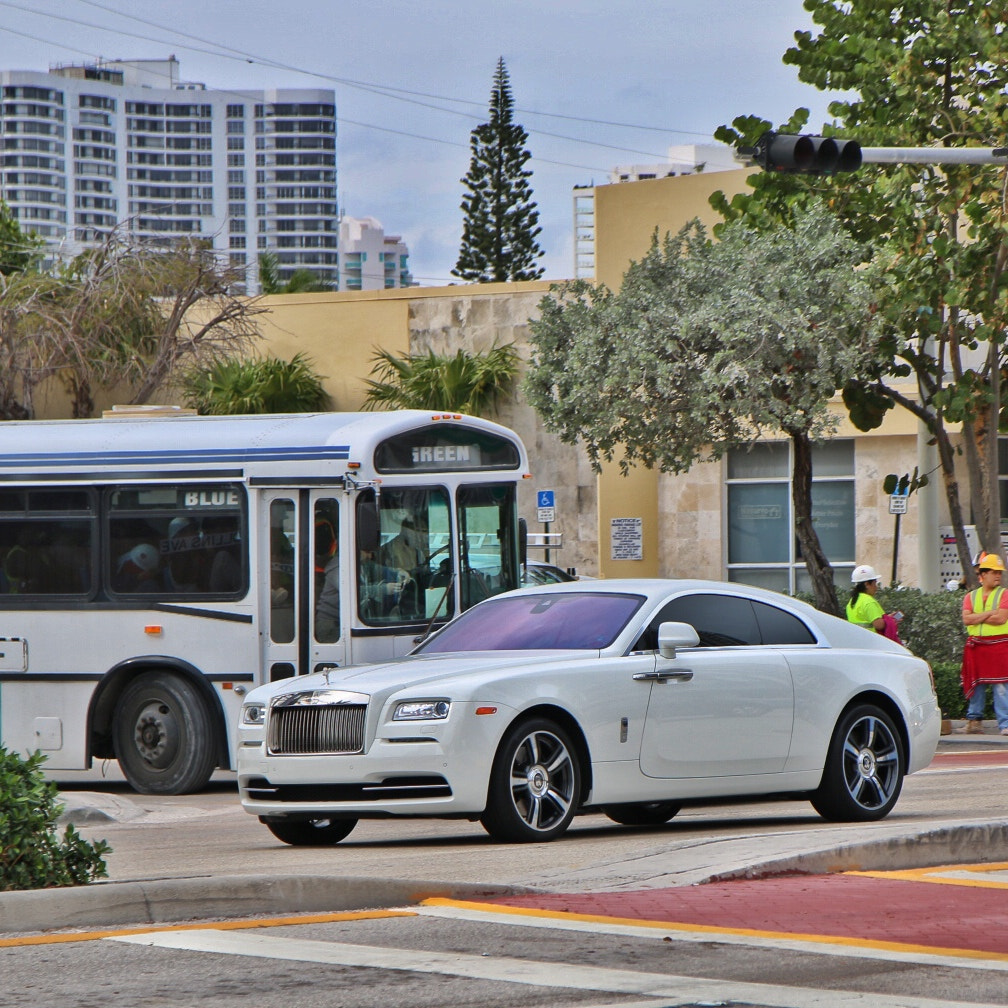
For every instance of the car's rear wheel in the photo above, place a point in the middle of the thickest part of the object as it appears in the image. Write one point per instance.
(310, 832)
(642, 813)
(534, 785)
(864, 769)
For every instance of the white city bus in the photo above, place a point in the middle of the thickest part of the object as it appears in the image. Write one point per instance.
(154, 569)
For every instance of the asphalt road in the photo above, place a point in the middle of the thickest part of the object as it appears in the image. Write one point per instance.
(598, 918)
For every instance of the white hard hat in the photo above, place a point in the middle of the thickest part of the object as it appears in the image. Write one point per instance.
(863, 573)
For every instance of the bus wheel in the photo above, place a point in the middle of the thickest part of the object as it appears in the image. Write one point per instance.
(164, 736)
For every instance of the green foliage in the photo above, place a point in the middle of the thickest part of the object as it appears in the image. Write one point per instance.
(501, 222)
(260, 385)
(707, 344)
(19, 251)
(926, 74)
(300, 281)
(32, 855)
(462, 382)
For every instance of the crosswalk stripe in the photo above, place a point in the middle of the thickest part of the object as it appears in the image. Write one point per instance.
(521, 971)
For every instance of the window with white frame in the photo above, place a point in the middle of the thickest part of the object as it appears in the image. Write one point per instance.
(762, 546)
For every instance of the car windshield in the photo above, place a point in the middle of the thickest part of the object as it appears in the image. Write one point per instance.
(534, 622)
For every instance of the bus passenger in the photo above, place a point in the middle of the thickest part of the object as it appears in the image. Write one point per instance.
(138, 570)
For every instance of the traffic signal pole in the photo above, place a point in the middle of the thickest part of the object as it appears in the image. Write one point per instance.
(935, 155)
(811, 154)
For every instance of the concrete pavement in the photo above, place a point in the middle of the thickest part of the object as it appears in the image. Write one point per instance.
(615, 883)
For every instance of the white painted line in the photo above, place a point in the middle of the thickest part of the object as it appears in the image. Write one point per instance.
(520, 971)
(598, 926)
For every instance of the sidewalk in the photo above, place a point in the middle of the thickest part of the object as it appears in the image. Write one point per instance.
(990, 737)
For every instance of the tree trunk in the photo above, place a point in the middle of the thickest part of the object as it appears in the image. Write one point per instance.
(816, 563)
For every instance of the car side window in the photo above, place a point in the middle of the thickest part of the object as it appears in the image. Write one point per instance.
(780, 627)
(719, 620)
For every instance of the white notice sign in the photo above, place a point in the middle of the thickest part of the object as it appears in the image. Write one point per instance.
(626, 537)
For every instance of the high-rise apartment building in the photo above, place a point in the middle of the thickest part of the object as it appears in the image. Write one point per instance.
(369, 258)
(86, 147)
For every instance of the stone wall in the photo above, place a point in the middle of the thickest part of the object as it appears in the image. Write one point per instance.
(474, 322)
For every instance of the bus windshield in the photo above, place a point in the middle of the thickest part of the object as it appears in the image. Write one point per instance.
(424, 549)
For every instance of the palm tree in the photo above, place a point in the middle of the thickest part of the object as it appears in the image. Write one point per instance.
(463, 382)
(301, 281)
(260, 385)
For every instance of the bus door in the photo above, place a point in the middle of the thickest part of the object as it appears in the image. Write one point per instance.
(302, 616)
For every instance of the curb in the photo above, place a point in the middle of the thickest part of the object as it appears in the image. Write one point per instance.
(974, 843)
(164, 901)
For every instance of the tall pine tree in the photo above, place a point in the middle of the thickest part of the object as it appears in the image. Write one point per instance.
(501, 220)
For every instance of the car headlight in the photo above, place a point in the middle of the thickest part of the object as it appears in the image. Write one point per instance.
(254, 714)
(422, 710)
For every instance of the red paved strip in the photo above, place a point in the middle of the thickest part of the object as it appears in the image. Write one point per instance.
(994, 757)
(941, 917)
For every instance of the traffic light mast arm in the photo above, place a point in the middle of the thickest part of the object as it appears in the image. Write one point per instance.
(810, 154)
(935, 155)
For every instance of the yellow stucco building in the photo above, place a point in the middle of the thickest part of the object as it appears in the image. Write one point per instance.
(727, 519)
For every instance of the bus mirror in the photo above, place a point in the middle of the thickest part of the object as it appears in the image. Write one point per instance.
(522, 541)
(367, 526)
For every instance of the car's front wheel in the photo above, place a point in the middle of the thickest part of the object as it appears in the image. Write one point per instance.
(534, 785)
(655, 813)
(310, 832)
(864, 769)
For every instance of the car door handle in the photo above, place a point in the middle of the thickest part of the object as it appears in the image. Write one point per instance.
(664, 675)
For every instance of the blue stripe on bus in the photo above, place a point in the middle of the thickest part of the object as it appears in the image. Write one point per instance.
(146, 457)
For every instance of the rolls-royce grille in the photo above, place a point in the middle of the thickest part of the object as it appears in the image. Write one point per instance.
(305, 731)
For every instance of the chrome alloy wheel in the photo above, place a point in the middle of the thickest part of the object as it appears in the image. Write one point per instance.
(871, 762)
(543, 780)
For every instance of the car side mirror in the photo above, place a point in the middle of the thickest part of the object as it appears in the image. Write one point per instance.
(675, 635)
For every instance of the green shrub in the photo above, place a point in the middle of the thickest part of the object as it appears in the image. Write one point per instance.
(32, 855)
(932, 626)
(230, 386)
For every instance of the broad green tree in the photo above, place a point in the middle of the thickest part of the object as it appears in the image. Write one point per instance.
(461, 382)
(931, 73)
(501, 222)
(708, 345)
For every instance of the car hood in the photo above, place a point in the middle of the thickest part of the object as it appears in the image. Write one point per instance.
(422, 671)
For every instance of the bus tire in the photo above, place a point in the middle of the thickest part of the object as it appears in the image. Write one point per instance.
(164, 735)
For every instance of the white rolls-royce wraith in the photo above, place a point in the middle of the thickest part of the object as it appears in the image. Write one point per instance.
(630, 696)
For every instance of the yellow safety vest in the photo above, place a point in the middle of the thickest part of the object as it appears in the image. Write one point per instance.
(979, 605)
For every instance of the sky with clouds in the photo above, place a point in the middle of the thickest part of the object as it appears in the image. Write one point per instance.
(595, 83)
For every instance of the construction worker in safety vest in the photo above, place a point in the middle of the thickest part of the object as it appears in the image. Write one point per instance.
(985, 656)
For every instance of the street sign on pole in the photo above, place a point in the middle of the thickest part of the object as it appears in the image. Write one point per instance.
(898, 503)
(545, 506)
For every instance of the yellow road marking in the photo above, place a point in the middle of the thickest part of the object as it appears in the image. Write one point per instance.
(945, 875)
(231, 925)
(815, 939)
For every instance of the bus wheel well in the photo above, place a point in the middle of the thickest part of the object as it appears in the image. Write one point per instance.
(101, 717)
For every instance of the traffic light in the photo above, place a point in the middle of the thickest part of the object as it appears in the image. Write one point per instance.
(805, 154)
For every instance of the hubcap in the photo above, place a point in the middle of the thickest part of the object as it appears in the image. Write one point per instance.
(156, 734)
(542, 780)
(871, 762)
